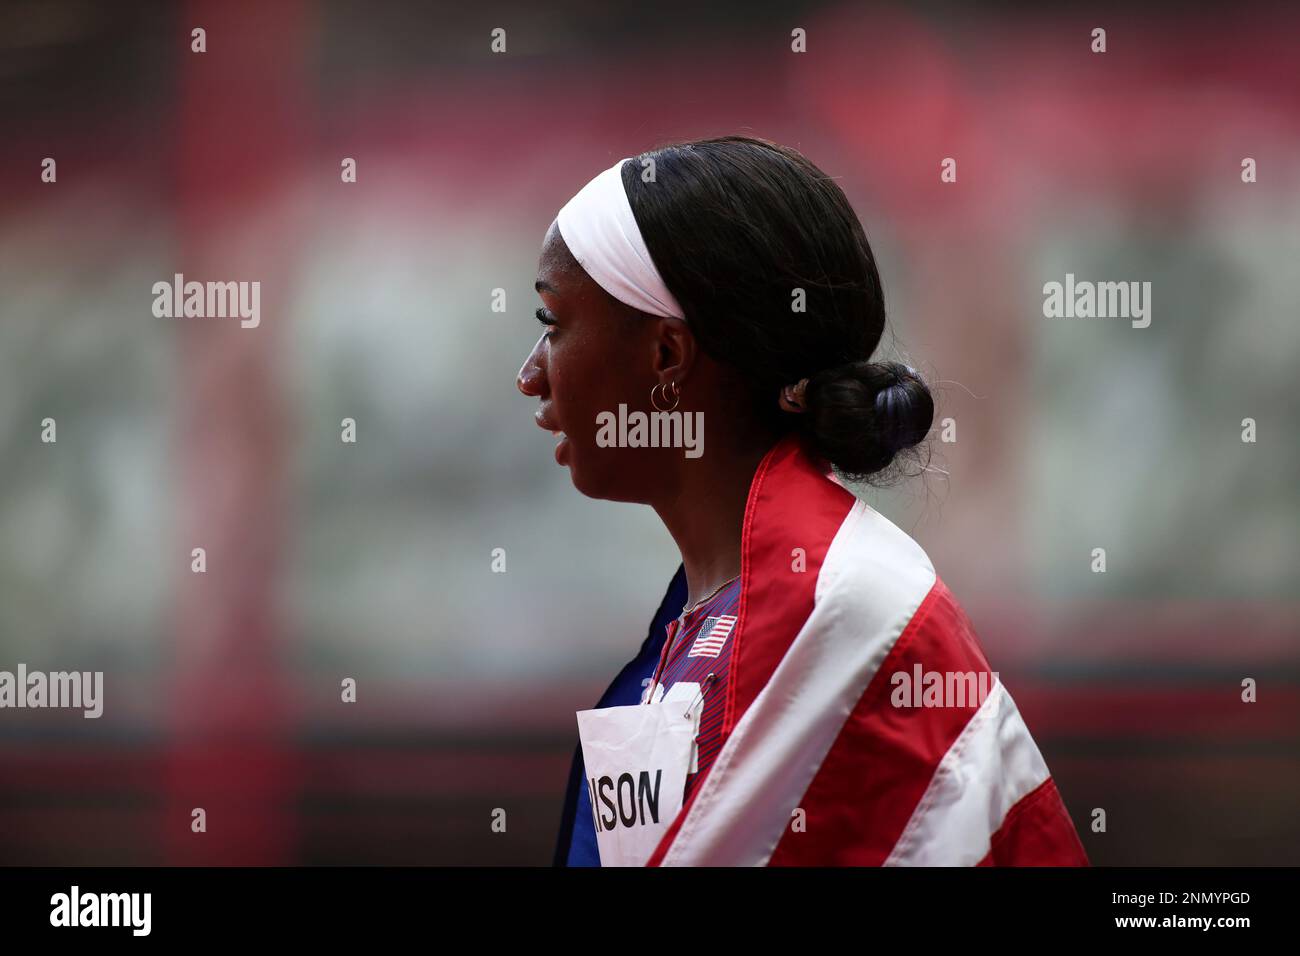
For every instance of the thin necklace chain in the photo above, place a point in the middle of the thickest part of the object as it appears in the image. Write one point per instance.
(654, 679)
(704, 600)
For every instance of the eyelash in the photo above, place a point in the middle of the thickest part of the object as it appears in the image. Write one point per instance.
(543, 318)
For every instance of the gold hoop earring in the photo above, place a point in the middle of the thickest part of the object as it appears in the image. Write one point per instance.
(676, 397)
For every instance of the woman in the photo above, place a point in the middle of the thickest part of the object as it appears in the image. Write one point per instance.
(842, 710)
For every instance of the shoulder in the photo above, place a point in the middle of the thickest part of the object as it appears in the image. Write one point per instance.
(861, 577)
(876, 577)
(872, 564)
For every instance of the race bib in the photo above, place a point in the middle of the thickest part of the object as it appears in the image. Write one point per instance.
(637, 757)
(688, 693)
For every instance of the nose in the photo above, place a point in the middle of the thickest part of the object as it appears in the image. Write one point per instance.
(531, 379)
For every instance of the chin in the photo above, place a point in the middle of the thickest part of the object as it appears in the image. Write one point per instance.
(604, 483)
(590, 484)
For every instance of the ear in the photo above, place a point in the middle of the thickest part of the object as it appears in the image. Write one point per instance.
(675, 351)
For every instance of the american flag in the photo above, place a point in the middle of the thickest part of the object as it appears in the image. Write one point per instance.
(817, 766)
(713, 634)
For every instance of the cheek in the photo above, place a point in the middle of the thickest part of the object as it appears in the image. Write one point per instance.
(591, 376)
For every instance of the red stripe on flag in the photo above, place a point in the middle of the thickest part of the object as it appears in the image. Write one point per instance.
(886, 754)
(1037, 832)
(789, 506)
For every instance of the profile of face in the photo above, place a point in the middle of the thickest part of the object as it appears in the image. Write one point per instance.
(594, 354)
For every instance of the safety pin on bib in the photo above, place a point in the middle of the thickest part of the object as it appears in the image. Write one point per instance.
(703, 687)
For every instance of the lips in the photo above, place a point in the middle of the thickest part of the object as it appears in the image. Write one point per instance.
(545, 423)
(562, 445)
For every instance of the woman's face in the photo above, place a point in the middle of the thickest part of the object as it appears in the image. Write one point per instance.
(594, 353)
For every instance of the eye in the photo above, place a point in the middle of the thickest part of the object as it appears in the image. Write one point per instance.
(545, 317)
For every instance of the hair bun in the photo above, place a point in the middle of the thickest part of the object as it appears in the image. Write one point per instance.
(862, 415)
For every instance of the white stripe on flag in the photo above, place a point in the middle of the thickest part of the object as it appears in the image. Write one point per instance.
(873, 580)
(991, 765)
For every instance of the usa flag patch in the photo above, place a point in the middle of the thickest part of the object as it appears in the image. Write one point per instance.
(713, 634)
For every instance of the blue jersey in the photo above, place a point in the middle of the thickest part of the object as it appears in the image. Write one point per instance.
(698, 652)
(576, 845)
(694, 647)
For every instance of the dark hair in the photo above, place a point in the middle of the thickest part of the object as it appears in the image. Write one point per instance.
(736, 226)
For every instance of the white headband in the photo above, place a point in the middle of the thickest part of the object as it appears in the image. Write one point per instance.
(598, 227)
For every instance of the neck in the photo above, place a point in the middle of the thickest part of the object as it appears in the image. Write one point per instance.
(704, 511)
